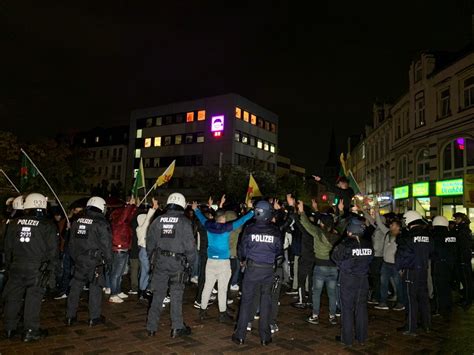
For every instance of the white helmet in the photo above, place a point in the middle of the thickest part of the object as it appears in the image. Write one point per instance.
(440, 221)
(35, 201)
(412, 216)
(97, 202)
(9, 201)
(177, 199)
(17, 203)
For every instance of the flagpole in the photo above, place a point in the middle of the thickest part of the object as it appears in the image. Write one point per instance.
(355, 181)
(9, 180)
(47, 183)
(146, 195)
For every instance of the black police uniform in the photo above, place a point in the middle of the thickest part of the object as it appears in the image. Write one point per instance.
(412, 259)
(170, 242)
(443, 268)
(30, 245)
(260, 245)
(353, 256)
(90, 247)
(464, 256)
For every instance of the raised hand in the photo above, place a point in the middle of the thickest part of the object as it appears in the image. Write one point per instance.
(156, 205)
(210, 201)
(314, 204)
(194, 205)
(340, 205)
(300, 206)
(221, 203)
(276, 205)
(317, 178)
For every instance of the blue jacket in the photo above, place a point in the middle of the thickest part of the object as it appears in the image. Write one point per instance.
(261, 243)
(218, 234)
(353, 256)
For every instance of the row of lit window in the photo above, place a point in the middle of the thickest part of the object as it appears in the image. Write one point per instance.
(254, 120)
(254, 142)
(174, 140)
(190, 116)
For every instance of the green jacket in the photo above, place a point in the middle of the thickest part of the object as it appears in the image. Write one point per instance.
(322, 246)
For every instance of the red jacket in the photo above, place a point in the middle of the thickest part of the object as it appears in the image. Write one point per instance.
(120, 220)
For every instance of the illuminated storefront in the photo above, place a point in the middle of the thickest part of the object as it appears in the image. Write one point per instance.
(421, 197)
(401, 196)
(451, 193)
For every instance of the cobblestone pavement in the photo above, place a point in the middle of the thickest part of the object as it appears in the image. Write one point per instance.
(124, 333)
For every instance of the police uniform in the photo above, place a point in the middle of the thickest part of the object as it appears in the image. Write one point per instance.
(30, 245)
(353, 256)
(464, 256)
(443, 267)
(260, 245)
(90, 247)
(412, 258)
(169, 244)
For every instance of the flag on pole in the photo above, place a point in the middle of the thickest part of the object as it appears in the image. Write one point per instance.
(139, 182)
(348, 174)
(27, 171)
(166, 176)
(252, 190)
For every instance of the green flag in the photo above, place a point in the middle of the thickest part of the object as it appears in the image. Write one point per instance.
(27, 171)
(139, 179)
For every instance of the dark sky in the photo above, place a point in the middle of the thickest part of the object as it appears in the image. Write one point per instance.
(67, 67)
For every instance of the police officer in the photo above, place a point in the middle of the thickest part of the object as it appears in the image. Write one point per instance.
(412, 260)
(443, 265)
(171, 247)
(90, 247)
(260, 246)
(353, 256)
(464, 244)
(31, 252)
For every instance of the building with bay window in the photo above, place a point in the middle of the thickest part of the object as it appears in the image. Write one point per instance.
(202, 135)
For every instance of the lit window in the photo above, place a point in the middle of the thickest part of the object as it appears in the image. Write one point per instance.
(266, 146)
(245, 139)
(178, 139)
(188, 139)
(238, 113)
(272, 148)
(138, 153)
(167, 140)
(97, 139)
(157, 142)
(253, 119)
(159, 121)
(201, 115)
(259, 144)
(237, 136)
(190, 117)
(147, 142)
(246, 116)
(200, 138)
(139, 133)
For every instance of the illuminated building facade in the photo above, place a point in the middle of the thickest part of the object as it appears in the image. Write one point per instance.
(201, 135)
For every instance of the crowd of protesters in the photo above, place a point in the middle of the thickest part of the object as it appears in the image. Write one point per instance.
(362, 259)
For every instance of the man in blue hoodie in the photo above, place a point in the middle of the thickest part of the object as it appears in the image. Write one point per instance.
(218, 257)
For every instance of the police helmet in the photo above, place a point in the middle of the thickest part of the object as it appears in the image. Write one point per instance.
(263, 211)
(412, 217)
(97, 202)
(9, 201)
(440, 221)
(17, 203)
(35, 201)
(462, 216)
(356, 227)
(176, 199)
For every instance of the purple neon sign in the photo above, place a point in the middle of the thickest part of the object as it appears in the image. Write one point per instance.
(217, 123)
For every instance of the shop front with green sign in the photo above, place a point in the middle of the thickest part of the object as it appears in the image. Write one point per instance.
(420, 192)
(451, 193)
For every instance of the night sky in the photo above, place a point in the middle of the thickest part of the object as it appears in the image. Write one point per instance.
(73, 67)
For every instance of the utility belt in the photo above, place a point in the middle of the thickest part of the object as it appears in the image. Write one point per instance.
(251, 263)
(171, 254)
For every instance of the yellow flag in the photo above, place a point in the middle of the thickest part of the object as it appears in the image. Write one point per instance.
(253, 190)
(166, 176)
(343, 164)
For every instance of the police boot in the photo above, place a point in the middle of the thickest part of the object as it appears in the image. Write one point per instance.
(33, 335)
(181, 332)
(224, 317)
(70, 320)
(96, 321)
(236, 340)
(203, 314)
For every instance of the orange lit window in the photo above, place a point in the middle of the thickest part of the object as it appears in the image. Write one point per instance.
(246, 116)
(253, 119)
(147, 142)
(190, 117)
(238, 113)
(201, 115)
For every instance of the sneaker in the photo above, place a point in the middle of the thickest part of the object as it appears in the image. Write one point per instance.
(249, 326)
(338, 312)
(274, 328)
(214, 291)
(167, 300)
(107, 290)
(133, 292)
(61, 296)
(197, 305)
(194, 279)
(257, 315)
(392, 298)
(122, 295)
(230, 301)
(332, 320)
(115, 299)
(313, 319)
(299, 305)
(292, 292)
(398, 307)
(212, 298)
(234, 287)
(372, 301)
(382, 306)
(85, 288)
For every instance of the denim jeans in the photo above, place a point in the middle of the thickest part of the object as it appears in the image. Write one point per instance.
(324, 275)
(390, 271)
(144, 268)
(119, 262)
(66, 272)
